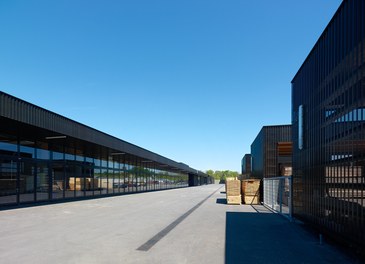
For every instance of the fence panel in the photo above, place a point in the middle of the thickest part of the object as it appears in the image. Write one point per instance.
(278, 194)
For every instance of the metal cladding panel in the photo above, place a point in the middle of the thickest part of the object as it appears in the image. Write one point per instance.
(257, 156)
(329, 160)
(24, 112)
(246, 164)
(274, 135)
(264, 150)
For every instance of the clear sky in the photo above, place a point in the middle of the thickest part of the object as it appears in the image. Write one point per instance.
(191, 80)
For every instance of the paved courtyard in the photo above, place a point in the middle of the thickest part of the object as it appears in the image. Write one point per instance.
(190, 225)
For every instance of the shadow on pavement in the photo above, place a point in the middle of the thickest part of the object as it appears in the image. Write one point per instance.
(265, 237)
(223, 192)
(221, 201)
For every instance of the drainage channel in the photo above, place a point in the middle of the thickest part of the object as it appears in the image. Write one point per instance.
(151, 242)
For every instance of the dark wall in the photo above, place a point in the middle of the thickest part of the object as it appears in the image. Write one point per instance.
(246, 164)
(257, 155)
(273, 135)
(264, 150)
(328, 173)
(196, 180)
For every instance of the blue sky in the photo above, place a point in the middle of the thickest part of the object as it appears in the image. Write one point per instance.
(191, 80)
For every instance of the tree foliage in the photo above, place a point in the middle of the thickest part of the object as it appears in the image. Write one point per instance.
(222, 175)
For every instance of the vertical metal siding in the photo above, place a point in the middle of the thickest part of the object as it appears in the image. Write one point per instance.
(328, 174)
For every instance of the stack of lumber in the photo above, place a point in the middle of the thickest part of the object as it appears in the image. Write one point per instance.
(251, 191)
(233, 191)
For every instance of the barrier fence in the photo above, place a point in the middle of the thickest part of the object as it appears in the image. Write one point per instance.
(278, 194)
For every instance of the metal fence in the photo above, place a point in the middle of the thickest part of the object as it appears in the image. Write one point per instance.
(278, 194)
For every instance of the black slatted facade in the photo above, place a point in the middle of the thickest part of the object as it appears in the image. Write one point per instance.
(45, 157)
(264, 151)
(246, 164)
(328, 118)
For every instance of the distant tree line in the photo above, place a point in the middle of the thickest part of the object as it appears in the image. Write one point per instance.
(222, 175)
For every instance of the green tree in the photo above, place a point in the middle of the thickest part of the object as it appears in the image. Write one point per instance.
(221, 175)
(210, 172)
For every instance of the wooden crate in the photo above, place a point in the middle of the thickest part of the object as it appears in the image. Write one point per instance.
(233, 188)
(231, 178)
(251, 199)
(234, 199)
(250, 187)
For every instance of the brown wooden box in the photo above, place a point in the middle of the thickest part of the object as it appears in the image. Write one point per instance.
(234, 199)
(251, 187)
(233, 188)
(251, 199)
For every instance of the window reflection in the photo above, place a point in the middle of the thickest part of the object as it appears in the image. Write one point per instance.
(352, 116)
(8, 178)
(27, 181)
(49, 171)
(42, 181)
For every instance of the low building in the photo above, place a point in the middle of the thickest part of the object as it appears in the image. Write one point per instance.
(45, 157)
(271, 152)
(246, 166)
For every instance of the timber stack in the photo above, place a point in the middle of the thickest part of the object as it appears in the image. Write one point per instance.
(233, 191)
(251, 191)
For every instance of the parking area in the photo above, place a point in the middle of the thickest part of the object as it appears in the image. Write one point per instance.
(189, 225)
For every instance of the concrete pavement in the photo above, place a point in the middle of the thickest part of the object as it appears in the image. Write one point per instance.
(190, 225)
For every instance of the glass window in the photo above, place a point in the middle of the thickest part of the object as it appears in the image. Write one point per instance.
(97, 162)
(89, 180)
(110, 180)
(69, 156)
(300, 127)
(58, 176)
(58, 155)
(97, 181)
(80, 183)
(104, 163)
(110, 162)
(8, 148)
(43, 154)
(104, 181)
(70, 181)
(116, 181)
(42, 182)
(8, 178)
(27, 149)
(80, 158)
(27, 181)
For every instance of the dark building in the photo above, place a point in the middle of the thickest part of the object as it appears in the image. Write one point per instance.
(328, 114)
(46, 157)
(271, 152)
(246, 165)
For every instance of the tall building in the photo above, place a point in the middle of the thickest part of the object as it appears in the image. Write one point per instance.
(46, 157)
(271, 152)
(328, 118)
